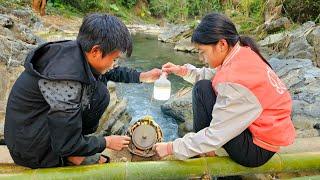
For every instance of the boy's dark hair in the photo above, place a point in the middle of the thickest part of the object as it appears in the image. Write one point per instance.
(106, 31)
(215, 26)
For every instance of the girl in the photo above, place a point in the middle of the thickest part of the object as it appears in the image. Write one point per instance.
(245, 108)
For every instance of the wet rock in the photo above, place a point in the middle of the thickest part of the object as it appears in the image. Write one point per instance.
(185, 127)
(276, 25)
(179, 107)
(174, 33)
(6, 21)
(145, 28)
(115, 119)
(185, 45)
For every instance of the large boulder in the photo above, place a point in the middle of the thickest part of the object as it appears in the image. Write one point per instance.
(301, 78)
(145, 29)
(185, 45)
(300, 43)
(173, 33)
(179, 107)
(115, 119)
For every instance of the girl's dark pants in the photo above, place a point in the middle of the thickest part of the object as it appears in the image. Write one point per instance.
(241, 148)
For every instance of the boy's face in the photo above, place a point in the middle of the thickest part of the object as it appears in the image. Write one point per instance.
(100, 63)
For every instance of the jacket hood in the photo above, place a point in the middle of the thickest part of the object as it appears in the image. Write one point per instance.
(61, 60)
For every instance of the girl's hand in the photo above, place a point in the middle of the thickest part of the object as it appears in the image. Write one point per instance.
(175, 69)
(163, 149)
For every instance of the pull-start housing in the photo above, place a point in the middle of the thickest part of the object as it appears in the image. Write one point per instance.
(144, 134)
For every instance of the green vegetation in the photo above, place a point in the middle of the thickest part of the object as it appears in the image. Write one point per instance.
(183, 10)
(14, 4)
(302, 10)
(247, 14)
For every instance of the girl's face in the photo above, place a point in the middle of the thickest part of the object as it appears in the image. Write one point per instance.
(214, 54)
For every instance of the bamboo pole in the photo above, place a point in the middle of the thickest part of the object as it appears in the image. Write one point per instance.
(192, 168)
(307, 178)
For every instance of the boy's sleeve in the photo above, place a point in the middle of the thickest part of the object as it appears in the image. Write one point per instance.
(122, 74)
(235, 109)
(195, 74)
(65, 119)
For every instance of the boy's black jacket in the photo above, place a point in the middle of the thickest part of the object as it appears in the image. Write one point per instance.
(34, 137)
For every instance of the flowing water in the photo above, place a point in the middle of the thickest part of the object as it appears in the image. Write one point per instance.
(149, 53)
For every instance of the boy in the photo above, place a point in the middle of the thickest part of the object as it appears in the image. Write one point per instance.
(62, 93)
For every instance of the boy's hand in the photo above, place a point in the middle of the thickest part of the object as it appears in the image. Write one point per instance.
(76, 160)
(116, 142)
(163, 149)
(150, 76)
(175, 69)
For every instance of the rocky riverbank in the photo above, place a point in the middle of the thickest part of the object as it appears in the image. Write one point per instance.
(293, 53)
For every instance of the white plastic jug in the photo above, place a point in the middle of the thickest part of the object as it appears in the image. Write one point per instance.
(162, 88)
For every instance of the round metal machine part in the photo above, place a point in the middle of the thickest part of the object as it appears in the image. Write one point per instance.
(144, 134)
